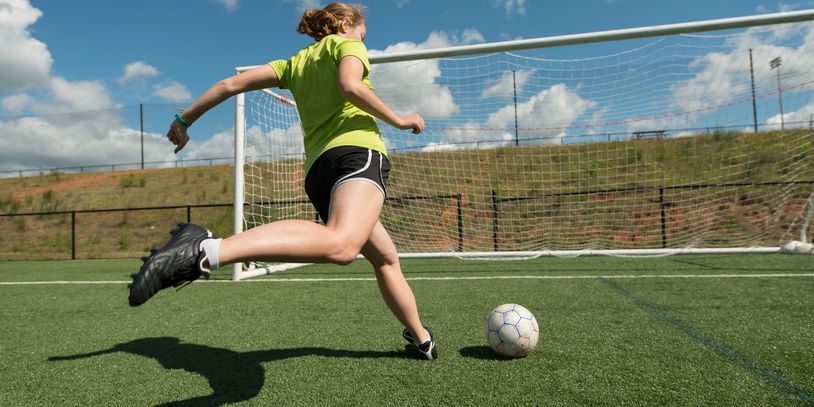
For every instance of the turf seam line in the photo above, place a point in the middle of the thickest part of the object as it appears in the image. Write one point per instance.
(787, 386)
(462, 278)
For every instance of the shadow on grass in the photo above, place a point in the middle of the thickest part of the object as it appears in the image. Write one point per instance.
(481, 352)
(233, 376)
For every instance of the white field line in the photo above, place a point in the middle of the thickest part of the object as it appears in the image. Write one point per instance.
(450, 278)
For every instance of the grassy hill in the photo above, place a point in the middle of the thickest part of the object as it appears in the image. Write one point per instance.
(597, 195)
(107, 234)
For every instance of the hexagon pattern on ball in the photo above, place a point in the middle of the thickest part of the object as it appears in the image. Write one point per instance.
(512, 330)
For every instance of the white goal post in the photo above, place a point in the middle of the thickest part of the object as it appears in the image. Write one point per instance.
(681, 138)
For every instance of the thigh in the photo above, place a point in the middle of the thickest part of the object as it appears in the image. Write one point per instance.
(354, 211)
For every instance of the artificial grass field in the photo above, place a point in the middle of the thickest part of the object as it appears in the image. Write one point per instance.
(678, 330)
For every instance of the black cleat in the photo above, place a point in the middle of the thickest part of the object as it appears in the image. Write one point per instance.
(428, 348)
(179, 261)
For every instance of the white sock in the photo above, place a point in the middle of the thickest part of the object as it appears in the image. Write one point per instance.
(419, 342)
(212, 248)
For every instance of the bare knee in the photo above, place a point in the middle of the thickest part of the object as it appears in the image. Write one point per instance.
(385, 260)
(344, 253)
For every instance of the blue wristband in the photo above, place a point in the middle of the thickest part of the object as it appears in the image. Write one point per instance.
(181, 120)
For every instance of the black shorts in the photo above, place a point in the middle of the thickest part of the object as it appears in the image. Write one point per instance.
(339, 165)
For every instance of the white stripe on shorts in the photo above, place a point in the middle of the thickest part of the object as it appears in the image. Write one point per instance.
(347, 178)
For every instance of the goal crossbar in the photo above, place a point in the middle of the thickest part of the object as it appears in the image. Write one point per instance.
(593, 37)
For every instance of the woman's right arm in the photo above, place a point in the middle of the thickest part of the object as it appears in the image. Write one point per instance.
(258, 78)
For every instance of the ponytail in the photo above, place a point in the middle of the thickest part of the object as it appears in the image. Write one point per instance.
(320, 23)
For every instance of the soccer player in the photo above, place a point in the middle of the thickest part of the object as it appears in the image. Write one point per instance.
(346, 166)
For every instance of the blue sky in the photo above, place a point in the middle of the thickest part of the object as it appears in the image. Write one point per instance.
(97, 55)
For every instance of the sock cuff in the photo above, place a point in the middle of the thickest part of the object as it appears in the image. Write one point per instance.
(211, 248)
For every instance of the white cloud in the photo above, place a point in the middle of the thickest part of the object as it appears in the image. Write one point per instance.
(220, 145)
(786, 7)
(471, 135)
(554, 108)
(513, 6)
(287, 143)
(75, 139)
(544, 116)
(303, 5)
(471, 36)
(172, 92)
(505, 85)
(137, 69)
(77, 124)
(401, 3)
(801, 118)
(15, 104)
(229, 5)
(413, 86)
(72, 96)
(715, 84)
(441, 39)
(719, 76)
(24, 62)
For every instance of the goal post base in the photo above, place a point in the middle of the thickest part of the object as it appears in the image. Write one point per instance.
(797, 247)
(588, 252)
(256, 270)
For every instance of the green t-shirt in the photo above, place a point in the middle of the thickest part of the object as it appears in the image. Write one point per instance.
(328, 119)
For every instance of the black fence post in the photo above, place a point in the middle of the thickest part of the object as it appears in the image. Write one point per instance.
(73, 235)
(494, 220)
(516, 126)
(663, 218)
(141, 121)
(460, 223)
(189, 214)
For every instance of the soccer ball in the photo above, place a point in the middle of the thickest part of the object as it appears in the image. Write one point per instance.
(511, 330)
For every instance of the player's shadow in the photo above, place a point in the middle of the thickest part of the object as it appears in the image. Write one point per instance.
(233, 376)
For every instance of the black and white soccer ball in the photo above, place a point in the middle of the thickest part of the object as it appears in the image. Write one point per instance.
(512, 330)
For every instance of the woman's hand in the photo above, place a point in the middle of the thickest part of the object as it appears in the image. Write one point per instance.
(178, 135)
(412, 122)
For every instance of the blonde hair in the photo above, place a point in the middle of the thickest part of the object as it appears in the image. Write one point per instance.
(320, 23)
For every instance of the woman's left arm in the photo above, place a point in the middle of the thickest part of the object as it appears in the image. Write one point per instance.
(258, 78)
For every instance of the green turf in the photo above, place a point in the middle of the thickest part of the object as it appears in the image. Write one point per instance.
(678, 337)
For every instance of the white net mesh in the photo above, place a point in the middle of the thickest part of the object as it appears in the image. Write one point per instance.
(658, 143)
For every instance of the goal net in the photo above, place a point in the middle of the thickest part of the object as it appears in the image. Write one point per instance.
(684, 138)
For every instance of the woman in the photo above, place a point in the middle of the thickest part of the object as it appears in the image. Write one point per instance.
(346, 166)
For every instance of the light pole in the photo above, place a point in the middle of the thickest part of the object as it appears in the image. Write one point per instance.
(775, 64)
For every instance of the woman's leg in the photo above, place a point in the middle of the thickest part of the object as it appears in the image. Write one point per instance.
(354, 212)
(353, 227)
(381, 252)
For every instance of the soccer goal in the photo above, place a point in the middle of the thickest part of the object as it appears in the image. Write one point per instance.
(683, 138)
